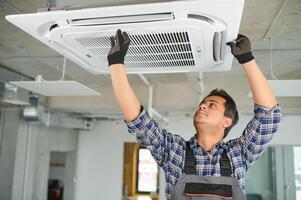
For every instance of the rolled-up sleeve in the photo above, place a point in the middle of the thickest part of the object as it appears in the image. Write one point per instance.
(158, 141)
(139, 123)
(259, 132)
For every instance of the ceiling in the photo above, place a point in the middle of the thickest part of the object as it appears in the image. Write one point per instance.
(173, 93)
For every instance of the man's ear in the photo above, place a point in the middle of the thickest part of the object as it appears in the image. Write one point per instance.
(227, 122)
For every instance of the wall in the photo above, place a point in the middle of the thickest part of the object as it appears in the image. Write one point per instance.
(25, 154)
(35, 142)
(100, 162)
(100, 154)
(8, 139)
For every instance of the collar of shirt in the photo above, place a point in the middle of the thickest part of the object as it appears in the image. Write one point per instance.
(194, 145)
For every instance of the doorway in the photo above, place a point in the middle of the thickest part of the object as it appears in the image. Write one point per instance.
(61, 175)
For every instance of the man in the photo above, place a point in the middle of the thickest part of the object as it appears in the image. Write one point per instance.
(204, 167)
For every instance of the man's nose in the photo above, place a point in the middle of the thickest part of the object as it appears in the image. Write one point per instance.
(203, 106)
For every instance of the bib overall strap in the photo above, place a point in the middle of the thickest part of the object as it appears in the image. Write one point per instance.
(225, 165)
(189, 160)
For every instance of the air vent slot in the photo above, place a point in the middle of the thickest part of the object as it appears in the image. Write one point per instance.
(121, 19)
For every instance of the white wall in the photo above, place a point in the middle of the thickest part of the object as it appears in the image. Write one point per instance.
(100, 162)
(31, 169)
(8, 139)
(25, 153)
(100, 154)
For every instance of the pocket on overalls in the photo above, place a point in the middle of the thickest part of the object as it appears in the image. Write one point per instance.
(205, 191)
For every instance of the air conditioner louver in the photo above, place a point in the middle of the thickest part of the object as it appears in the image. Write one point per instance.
(121, 19)
(179, 36)
(148, 50)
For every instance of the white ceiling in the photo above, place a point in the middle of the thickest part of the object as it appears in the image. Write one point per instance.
(173, 93)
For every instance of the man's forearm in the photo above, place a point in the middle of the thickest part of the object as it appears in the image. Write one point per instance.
(261, 90)
(124, 94)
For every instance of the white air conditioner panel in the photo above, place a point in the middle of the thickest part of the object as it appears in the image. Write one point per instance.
(155, 48)
(179, 36)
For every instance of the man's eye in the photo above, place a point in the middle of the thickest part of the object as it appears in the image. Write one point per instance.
(212, 105)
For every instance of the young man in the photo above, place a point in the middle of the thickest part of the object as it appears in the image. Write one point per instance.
(204, 167)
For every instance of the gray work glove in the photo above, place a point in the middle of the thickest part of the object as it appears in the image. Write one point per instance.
(241, 49)
(119, 47)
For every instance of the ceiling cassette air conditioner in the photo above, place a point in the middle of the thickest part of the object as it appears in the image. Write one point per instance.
(167, 37)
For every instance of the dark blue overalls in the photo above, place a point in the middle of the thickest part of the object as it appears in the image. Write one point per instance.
(194, 187)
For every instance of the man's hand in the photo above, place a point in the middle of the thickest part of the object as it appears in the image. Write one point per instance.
(241, 49)
(119, 47)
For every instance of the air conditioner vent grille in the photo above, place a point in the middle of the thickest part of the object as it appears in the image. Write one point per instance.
(162, 49)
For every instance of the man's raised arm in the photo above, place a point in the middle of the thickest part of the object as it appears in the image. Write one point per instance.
(267, 114)
(261, 91)
(124, 94)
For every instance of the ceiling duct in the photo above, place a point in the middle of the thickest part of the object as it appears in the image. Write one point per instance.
(33, 112)
(284, 88)
(13, 95)
(166, 37)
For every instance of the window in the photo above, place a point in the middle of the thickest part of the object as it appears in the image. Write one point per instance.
(147, 172)
(140, 173)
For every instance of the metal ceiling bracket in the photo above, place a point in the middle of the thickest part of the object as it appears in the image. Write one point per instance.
(151, 110)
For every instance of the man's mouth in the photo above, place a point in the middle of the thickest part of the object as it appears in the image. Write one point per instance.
(202, 113)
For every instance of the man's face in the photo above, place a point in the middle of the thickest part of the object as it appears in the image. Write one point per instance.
(211, 113)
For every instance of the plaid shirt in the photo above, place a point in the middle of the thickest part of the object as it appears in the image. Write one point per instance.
(169, 149)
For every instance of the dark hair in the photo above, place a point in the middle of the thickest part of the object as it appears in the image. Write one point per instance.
(230, 107)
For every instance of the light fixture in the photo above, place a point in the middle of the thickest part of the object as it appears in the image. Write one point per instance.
(56, 88)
